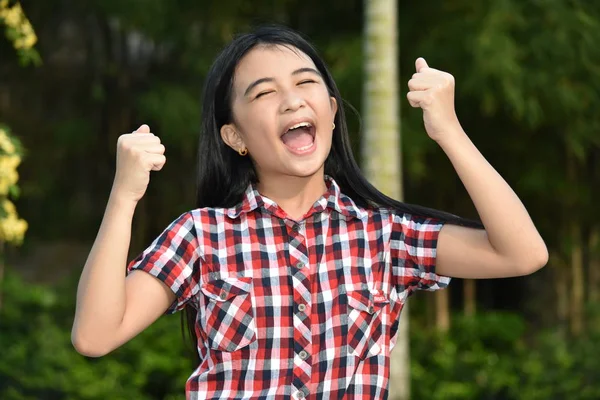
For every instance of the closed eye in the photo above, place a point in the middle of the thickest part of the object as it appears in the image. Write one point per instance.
(306, 81)
(263, 93)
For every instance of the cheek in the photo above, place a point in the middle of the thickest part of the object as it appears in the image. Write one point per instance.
(259, 136)
(253, 126)
(324, 105)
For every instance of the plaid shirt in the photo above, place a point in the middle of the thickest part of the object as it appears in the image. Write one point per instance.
(294, 309)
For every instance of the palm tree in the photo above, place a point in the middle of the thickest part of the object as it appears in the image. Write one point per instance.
(381, 145)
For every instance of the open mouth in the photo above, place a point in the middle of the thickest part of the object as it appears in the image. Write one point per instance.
(299, 136)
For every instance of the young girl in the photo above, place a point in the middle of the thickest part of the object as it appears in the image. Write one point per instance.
(293, 269)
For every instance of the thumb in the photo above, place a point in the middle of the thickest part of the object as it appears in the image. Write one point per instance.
(143, 129)
(420, 64)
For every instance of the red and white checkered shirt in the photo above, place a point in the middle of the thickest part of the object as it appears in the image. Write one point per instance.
(294, 309)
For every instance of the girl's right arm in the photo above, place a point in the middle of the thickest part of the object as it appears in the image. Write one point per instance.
(111, 309)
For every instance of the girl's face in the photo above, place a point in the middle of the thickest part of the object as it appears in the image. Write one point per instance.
(282, 112)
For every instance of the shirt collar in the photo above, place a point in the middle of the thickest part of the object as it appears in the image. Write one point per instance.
(333, 199)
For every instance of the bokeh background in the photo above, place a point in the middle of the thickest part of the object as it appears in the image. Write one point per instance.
(74, 75)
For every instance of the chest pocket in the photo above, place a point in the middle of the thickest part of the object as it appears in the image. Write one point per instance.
(365, 326)
(228, 318)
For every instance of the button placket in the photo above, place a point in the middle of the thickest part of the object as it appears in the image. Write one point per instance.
(302, 297)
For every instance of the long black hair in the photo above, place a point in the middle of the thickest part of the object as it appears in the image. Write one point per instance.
(223, 175)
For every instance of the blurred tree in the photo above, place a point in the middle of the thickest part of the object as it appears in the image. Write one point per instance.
(527, 82)
(12, 228)
(19, 32)
(381, 144)
(527, 77)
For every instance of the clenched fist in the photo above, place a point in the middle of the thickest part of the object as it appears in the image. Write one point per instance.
(138, 153)
(433, 91)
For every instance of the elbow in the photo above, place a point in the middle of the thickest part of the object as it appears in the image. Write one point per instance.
(536, 261)
(86, 347)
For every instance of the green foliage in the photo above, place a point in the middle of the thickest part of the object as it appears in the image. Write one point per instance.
(39, 362)
(490, 357)
(527, 93)
(176, 112)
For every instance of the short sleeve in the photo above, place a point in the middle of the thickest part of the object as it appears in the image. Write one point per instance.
(413, 251)
(173, 257)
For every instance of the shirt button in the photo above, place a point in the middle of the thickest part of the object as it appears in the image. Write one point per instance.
(223, 295)
(300, 265)
(296, 228)
(371, 309)
(303, 355)
(301, 307)
(301, 394)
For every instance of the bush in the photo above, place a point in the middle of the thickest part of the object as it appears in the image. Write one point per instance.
(487, 357)
(38, 361)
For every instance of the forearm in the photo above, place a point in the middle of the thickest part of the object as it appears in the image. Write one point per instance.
(101, 292)
(509, 228)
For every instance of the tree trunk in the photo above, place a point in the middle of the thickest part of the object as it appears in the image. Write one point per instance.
(381, 145)
(577, 280)
(400, 360)
(469, 297)
(560, 278)
(576, 251)
(442, 306)
(594, 264)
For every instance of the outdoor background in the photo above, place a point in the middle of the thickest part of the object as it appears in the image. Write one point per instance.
(527, 92)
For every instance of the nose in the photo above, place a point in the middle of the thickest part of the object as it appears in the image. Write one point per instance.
(292, 101)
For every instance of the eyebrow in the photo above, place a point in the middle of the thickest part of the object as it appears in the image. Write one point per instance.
(263, 80)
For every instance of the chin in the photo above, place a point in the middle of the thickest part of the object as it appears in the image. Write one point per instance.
(308, 172)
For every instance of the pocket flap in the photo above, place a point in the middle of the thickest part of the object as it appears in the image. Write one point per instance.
(225, 289)
(365, 300)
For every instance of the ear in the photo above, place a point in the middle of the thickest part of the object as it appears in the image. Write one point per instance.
(334, 106)
(231, 137)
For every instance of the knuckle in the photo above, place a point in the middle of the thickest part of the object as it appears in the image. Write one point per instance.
(121, 140)
(125, 145)
(139, 155)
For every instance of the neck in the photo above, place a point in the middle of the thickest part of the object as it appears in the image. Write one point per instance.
(294, 195)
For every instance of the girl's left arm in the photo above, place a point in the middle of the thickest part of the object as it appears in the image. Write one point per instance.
(510, 245)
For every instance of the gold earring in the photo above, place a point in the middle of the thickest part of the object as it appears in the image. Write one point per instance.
(333, 125)
(243, 152)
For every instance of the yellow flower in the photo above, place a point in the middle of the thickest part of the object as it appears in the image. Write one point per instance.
(12, 16)
(8, 172)
(12, 229)
(26, 42)
(9, 163)
(6, 144)
(9, 207)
